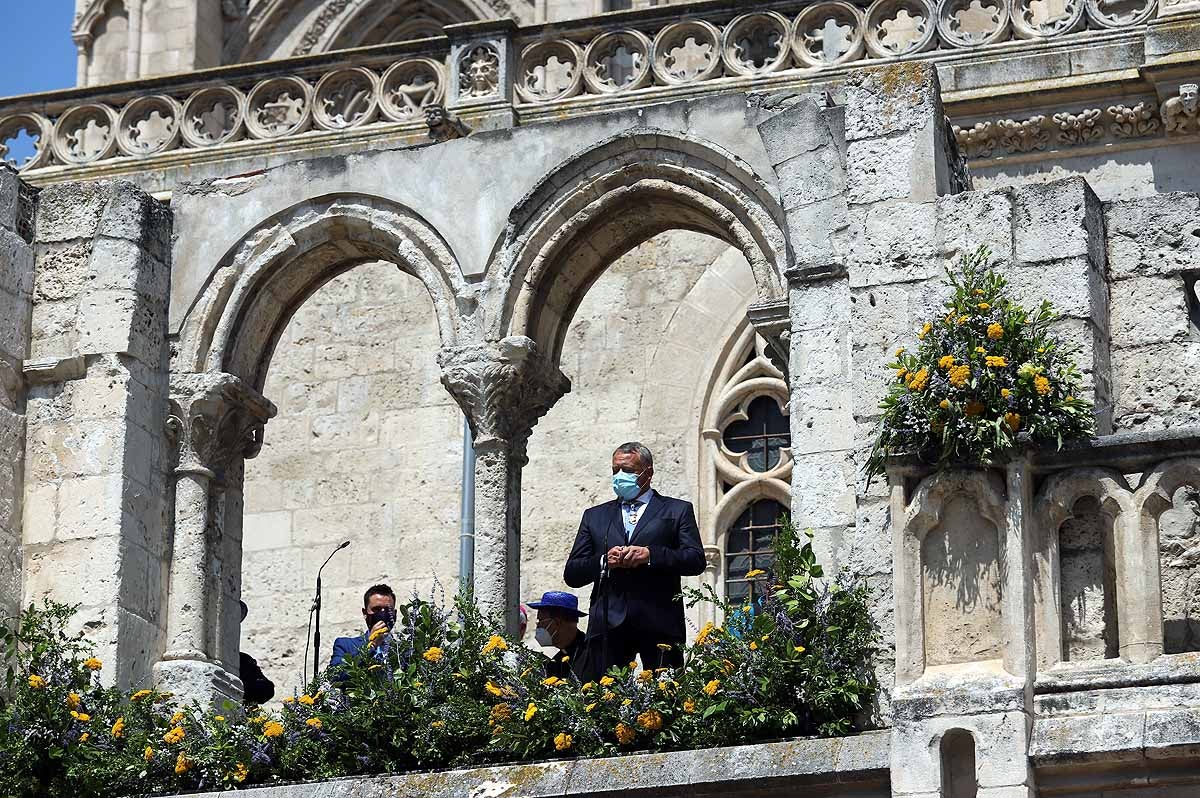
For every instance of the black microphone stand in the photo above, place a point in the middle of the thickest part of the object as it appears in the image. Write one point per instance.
(316, 610)
(606, 586)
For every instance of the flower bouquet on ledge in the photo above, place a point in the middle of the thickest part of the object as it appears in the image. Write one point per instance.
(982, 373)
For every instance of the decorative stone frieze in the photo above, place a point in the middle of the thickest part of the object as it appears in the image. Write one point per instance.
(686, 52)
(1088, 126)
(830, 33)
(313, 35)
(756, 43)
(1181, 114)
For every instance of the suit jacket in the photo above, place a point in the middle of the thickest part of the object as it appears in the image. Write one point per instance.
(256, 687)
(642, 598)
(345, 648)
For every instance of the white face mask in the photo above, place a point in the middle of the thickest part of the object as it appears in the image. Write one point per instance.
(542, 636)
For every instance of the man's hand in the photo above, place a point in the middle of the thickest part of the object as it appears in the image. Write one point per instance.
(629, 556)
(378, 632)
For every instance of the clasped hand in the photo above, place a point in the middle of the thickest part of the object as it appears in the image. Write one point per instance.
(628, 556)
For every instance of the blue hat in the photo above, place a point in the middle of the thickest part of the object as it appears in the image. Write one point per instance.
(558, 600)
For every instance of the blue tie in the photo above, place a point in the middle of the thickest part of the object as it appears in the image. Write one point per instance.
(632, 510)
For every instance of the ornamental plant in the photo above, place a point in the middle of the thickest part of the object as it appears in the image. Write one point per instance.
(980, 375)
(442, 689)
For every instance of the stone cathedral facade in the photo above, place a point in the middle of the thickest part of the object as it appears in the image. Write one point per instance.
(261, 264)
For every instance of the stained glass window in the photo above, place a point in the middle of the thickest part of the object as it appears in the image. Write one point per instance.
(762, 435)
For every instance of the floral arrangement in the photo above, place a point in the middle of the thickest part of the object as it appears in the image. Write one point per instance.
(449, 691)
(983, 373)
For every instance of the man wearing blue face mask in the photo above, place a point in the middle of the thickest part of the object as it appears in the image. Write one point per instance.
(635, 550)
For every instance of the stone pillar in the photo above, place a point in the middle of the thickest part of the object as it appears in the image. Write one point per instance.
(503, 388)
(96, 450)
(481, 73)
(216, 421)
(16, 285)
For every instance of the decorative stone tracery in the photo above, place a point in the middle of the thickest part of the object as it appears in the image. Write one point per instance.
(279, 107)
(86, 133)
(479, 73)
(828, 33)
(346, 98)
(149, 125)
(686, 52)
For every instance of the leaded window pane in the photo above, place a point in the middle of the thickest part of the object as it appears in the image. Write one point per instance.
(761, 435)
(748, 547)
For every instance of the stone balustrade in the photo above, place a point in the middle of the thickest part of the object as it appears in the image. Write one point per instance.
(546, 71)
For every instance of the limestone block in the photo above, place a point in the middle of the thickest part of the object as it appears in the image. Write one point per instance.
(797, 130)
(812, 177)
(1154, 235)
(90, 507)
(976, 218)
(1117, 736)
(1149, 310)
(10, 189)
(266, 530)
(71, 211)
(885, 168)
(16, 277)
(809, 229)
(891, 99)
(1058, 220)
(40, 513)
(823, 490)
(1073, 285)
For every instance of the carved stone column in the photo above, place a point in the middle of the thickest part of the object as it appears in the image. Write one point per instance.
(215, 419)
(503, 388)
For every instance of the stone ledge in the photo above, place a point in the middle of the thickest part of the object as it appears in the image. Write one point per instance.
(859, 763)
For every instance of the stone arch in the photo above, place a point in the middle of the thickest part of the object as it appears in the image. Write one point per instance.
(1054, 506)
(607, 200)
(281, 28)
(1169, 566)
(235, 323)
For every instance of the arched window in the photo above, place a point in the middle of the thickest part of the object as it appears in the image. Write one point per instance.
(761, 436)
(748, 548)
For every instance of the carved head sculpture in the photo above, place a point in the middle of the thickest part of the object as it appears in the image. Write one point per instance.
(1189, 98)
(435, 116)
(483, 71)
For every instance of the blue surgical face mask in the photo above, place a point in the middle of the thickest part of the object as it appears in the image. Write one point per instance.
(626, 485)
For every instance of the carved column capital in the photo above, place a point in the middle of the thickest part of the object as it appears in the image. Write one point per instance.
(772, 320)
(215, 417)
(503, 388)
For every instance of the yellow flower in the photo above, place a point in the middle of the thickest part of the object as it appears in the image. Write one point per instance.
(240, 772)
(177, 718)
(919, 380)
(590, 707)
(753, 646)
(1041, 384)
(995, 362)
(258, 720)
(437, 724)
(93, 664)
(946, 362)
(995, 331)
(1013, 420)
(609, 695)
(219, 718)
(272, 728)
(1070, 398)
(902, 374)
(118, 728)
(177, 734)
(925, 330)
(433, 654)
(663, 647)
(899, 351)
(978, 292)
(973, 408)
(645, 676)
(633, 664)
(530, 711)
(798, 649)
(984, 306)
(493, 689)
(627, 702)
(148, 754)
(495, 643)
(605, 681)
(650, 720)
(754, 573)
(587, 686)
(83, 738)
(562, 741)
(182, 765)
(979, 350)
(727, 665)
(962, 319)
(944, 404)
(36, 682)
(689, 705)
(959, 375)
(313, 723)
(500, 713)
(701, 638)
(140, 694)
(82, 717)
(551, 681)
(712, 687)
(306, 699)
(625, 733)
(1005, 392)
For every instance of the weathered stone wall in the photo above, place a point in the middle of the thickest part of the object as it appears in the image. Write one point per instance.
(16, 285)
(96, 454)
(367, 445)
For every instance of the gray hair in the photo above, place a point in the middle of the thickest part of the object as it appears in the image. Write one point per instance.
(633, 447)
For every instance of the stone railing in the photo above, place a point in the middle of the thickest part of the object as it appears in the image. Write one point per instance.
(542, 71)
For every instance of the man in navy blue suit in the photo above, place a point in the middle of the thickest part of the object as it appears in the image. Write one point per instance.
(379, 612)
(635, 549)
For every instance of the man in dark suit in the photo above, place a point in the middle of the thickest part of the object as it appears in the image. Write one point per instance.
(635, 549)
(379, 613)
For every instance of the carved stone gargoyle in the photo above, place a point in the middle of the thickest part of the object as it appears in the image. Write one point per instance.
(443, 126)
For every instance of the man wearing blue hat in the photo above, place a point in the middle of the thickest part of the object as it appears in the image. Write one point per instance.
(635, 550)
(558, 625)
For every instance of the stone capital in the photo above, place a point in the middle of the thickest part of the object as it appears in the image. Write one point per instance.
(215, 417)
(503, 388)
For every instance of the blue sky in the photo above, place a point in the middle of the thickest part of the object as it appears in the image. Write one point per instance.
(36, 51)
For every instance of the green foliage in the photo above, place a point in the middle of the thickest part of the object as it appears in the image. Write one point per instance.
(441, 689)
(985, 372)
